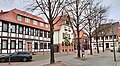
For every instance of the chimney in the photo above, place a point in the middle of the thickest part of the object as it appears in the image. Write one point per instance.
(1, 11)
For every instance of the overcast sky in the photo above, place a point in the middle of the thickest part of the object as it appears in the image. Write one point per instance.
(114, 12)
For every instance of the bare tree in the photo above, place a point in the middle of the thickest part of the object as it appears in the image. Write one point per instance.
(103, 29)
(50, 9)
(100, 12)
(77, 17)
(97, 14)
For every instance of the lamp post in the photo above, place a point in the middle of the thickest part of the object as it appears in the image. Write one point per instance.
(10, 43)
(113, 43)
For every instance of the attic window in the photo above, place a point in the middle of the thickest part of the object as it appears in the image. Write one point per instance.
(41, 24)
(19, 18)
(46, 25)
(27, 20)
(34, 22)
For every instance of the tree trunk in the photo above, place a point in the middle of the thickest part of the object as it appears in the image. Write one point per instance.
(90, 37)
(77, 4)
(51, 46)
(97, 43)
(52, 60)
(103, 44)
(96, 32)
(78, 46)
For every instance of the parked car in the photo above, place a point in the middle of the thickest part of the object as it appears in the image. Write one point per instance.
(17, 56)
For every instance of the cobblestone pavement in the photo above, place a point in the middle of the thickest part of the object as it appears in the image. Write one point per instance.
(101, 59)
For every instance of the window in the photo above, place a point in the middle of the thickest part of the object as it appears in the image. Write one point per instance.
(65, 29)
(100, 45)
(27, 31)
(13, 28)
(13, 44)
(20, 29)
(41, 45)
(48, 35)
(41, 24)
(20, 44)
(62, 43)
(41, 33)
(106, 37)
(114, 36)
(45, 34)
(4, 44)
(48, 45)
(35, 45)
(36, 32)
(32, 32)
(69, 30)
(5, 27)
(46, 25)
(19, 18)
(84, 34)
(34, 22)
(110, 37)
(45, 45)
(27, 20)
(69, 36)
(65, 35)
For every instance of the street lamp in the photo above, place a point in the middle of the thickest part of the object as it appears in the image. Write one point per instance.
(10, 43)
(113, 43)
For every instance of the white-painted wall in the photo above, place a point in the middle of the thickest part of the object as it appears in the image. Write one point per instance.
(58, 35)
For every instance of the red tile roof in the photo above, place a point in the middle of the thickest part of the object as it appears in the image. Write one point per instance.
(60, 22)
(81, 33)
(11, 16)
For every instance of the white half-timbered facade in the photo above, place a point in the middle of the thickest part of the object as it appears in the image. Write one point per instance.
(21, 31)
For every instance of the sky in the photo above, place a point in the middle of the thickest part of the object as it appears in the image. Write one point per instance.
(114, 11)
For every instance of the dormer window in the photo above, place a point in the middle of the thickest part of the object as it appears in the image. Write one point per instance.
(46, 25)
(27, 20)
(41, 24)
(19, 18)
(34, 22)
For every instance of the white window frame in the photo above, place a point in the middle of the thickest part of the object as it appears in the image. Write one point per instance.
(41, 24)
(34, 22)
(27, 20)
(46, 25)
(19, 18)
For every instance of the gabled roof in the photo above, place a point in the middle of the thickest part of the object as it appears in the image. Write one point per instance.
(108, 28)
(60, 22)
(11, 16)
(23, 13)
(81, 33)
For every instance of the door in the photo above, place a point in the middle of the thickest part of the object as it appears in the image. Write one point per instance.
(29, 46)
(107, 45)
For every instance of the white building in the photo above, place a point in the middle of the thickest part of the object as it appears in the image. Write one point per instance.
(110, 31)
(62, 30)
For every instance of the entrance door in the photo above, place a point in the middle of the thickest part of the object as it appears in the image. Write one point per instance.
(107, 45)
(29, 46)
